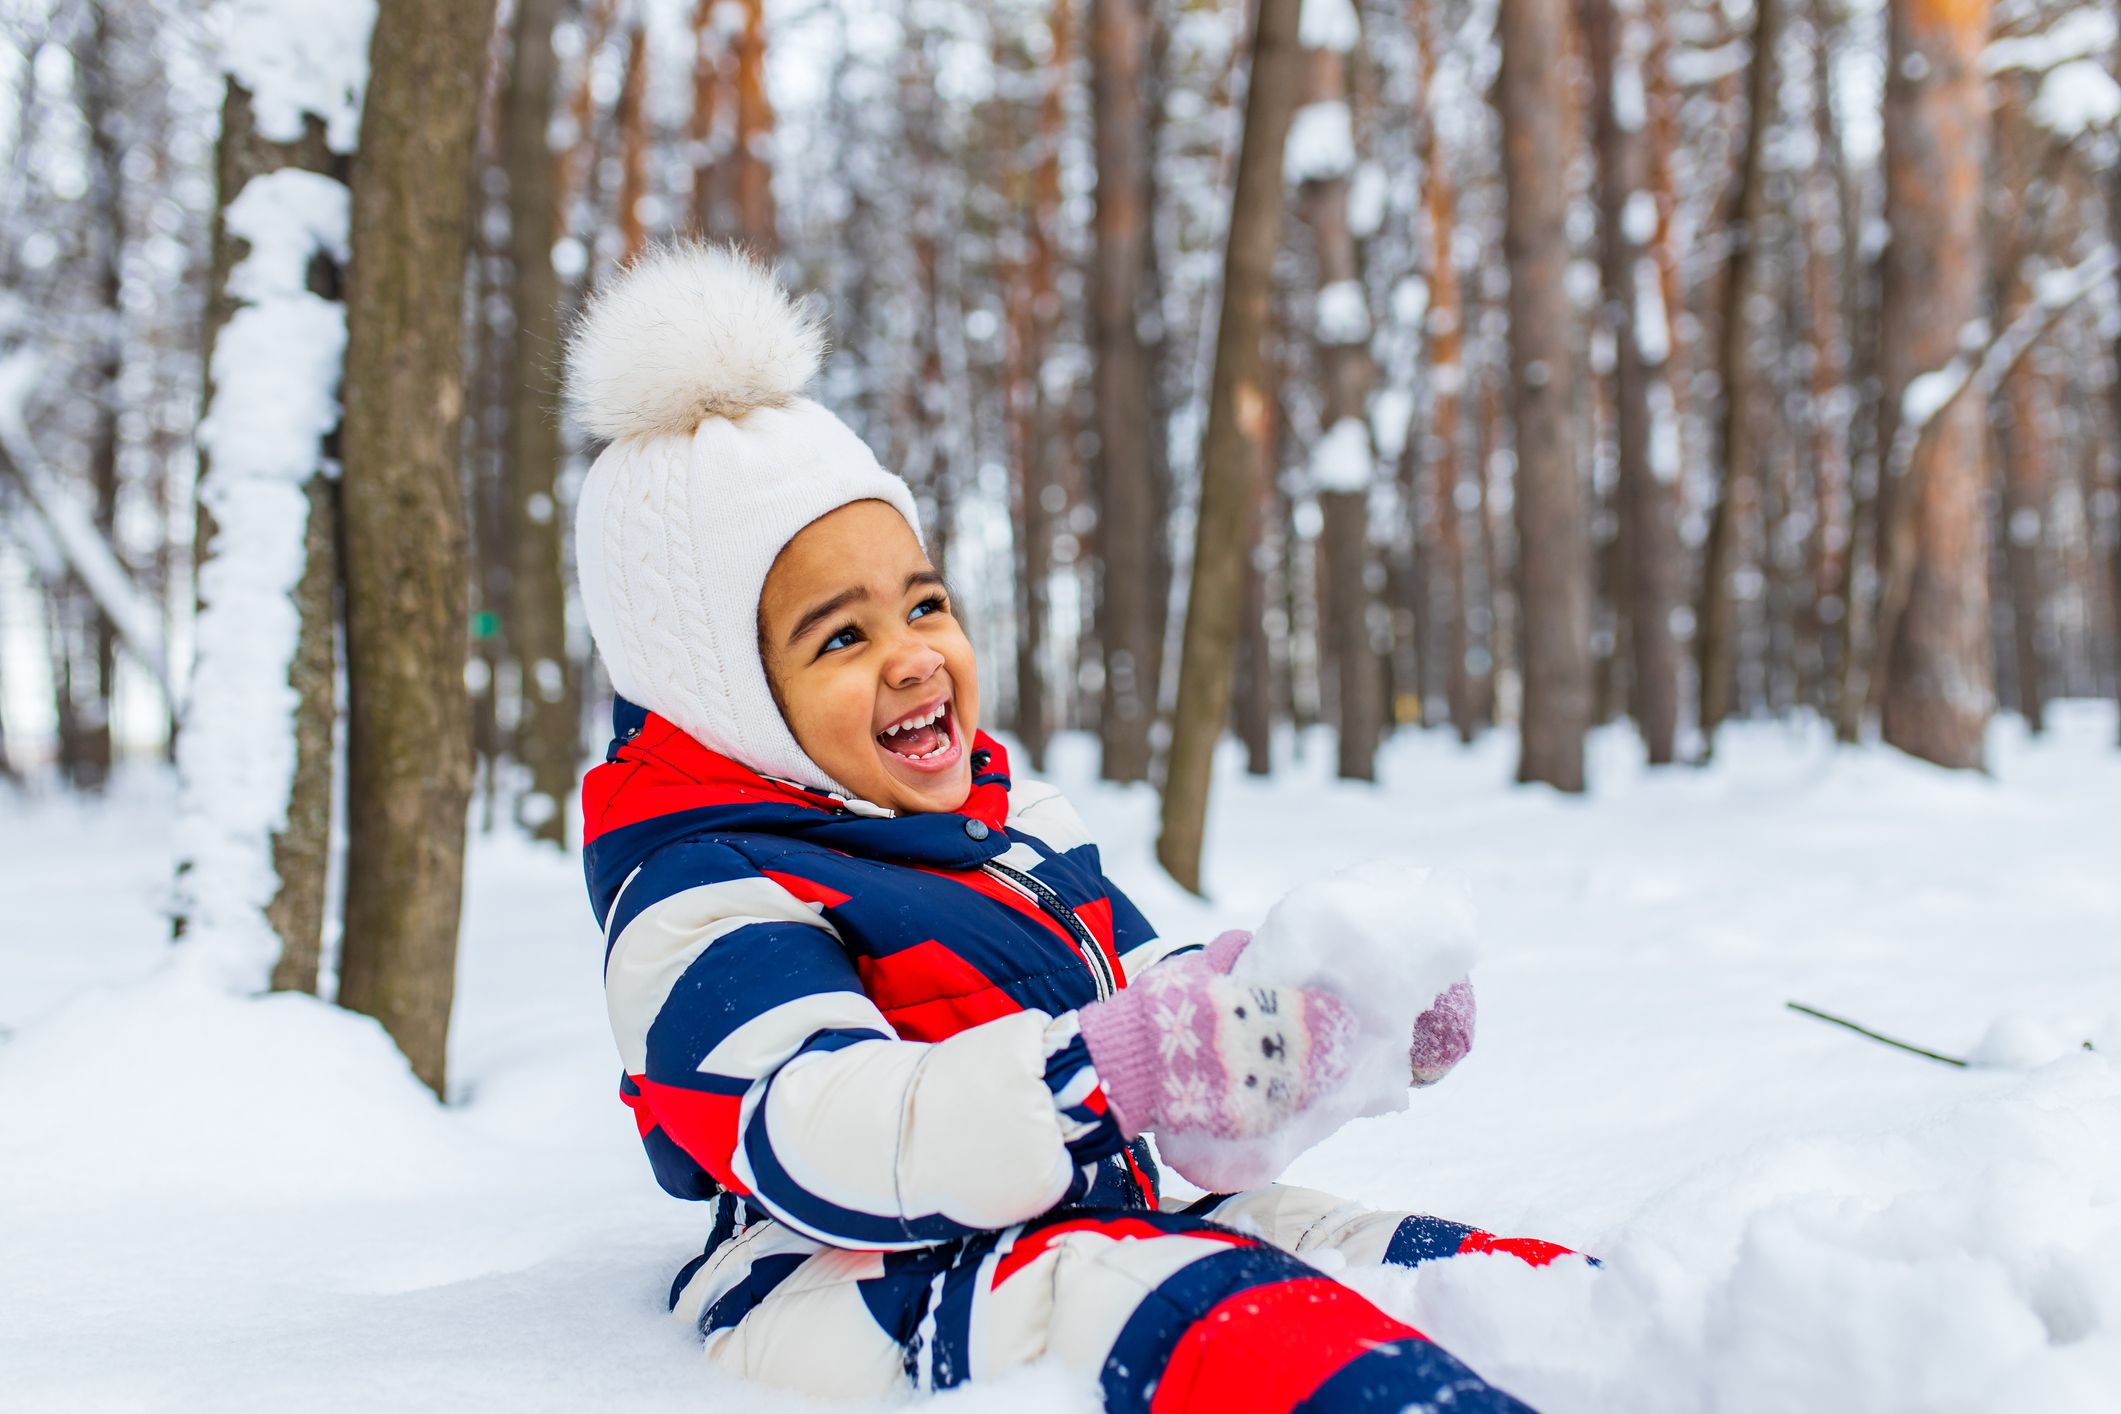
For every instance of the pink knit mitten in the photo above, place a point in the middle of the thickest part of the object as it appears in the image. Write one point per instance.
(1442, 1035)
(1188, 1049)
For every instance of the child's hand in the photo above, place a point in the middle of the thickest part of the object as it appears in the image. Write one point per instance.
(1189, 1049)
(1442, 1035)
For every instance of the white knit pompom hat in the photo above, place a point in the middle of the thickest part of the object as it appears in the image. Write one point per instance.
(692, 361)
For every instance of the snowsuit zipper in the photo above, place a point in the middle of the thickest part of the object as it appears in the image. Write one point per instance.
(1057, 909)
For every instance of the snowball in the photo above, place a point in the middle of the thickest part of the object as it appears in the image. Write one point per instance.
(1321, 143)
(1386, 937)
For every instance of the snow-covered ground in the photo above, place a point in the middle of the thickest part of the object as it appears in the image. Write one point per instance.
(216, 1204)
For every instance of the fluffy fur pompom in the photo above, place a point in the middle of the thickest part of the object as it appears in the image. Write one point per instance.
(687, 332)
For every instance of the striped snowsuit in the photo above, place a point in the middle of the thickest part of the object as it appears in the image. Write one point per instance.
(852, 1033)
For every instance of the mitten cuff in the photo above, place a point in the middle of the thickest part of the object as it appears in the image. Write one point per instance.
(1123, 1050)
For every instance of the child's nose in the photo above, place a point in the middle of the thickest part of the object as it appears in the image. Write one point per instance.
(913, 664)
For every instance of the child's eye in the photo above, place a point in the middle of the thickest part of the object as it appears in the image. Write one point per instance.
(845, 638)
(933, 604)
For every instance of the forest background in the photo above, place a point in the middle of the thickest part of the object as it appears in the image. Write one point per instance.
(1456, 366)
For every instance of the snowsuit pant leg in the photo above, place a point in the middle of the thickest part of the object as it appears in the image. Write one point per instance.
(1171, 1313)
(1307, 1221)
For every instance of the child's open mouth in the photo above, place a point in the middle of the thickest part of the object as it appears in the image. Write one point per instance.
(923, 740)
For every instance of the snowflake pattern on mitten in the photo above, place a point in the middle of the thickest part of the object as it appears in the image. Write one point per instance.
(1188, 1048)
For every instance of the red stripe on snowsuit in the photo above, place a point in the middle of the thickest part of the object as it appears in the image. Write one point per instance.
(1033, 1245)
(902, 984)
(1266, 1349)
(1530, 1250)
(681, 774)
(808, 890)
(703, 1124)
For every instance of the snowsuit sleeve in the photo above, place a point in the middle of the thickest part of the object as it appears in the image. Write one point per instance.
(1040, 809)
(748, 1040)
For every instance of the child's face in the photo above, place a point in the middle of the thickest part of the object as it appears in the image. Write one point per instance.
(858, 638)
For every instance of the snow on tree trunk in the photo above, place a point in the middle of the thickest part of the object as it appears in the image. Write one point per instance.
(1553, 555)
(253, 756)
(409, 717)
(1343, 461)
(1937, 656)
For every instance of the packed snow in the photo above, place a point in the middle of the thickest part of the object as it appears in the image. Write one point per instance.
(219, 1204)
(1408, 932)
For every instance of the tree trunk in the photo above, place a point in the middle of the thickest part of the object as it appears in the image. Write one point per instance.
(1129, 622)
(1230, 446)
(547, 735)
(2113, 226)
(106, 235)
(753, 176)
(1717, 622)
(1343, 479)
(1648, 536)
(1443, 437)
(2020, 436)
(1938, 691)
(409, 728)
(630, 117)
(1553, 555)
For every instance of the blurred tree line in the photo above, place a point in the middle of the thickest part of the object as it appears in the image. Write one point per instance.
(1432, 364)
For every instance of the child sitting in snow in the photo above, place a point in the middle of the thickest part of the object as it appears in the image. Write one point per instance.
(878, 1006)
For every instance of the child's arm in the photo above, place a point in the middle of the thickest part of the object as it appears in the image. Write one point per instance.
(745, 1030)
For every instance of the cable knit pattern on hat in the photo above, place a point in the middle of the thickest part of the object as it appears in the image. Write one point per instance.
(693, 360)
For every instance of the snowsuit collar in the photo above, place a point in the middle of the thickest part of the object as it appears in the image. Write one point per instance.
(658, 785)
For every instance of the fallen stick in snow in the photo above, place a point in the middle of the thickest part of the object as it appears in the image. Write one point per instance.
(1865, 1031)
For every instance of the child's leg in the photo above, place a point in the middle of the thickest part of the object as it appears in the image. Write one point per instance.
(1305, 1221)
(1170, 1315)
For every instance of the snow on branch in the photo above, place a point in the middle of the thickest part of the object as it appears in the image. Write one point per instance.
(2084, 33)
(1929, 396)
(65, 524)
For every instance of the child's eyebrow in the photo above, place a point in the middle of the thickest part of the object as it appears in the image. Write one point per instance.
(820, 612)
(841, 600)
